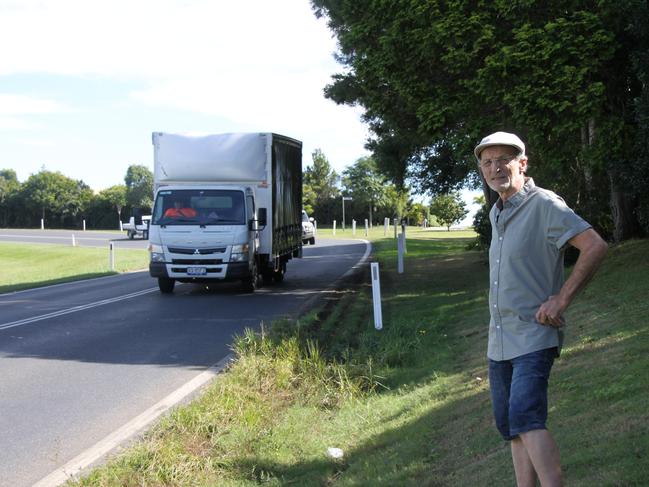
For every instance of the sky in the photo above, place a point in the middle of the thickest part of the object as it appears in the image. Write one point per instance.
(84, 83)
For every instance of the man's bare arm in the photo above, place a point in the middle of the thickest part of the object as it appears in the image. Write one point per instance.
(592, 249)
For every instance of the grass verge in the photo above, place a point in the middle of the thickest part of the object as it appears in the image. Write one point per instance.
(27, 266)
(409, 405)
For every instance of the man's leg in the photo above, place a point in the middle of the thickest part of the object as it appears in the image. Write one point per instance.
(543, 453)
(525, 473)
(528, 415)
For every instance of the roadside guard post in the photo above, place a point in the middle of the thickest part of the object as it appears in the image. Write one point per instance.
(376, 295)
(400, 245)
(354, 228)
(366, 228)
(334, 227)
(111, 256)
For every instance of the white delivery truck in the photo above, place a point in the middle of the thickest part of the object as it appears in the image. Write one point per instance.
(227, 207)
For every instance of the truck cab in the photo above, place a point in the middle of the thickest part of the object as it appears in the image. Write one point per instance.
(199, 234)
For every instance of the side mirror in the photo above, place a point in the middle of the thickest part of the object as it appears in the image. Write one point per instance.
(262, 216)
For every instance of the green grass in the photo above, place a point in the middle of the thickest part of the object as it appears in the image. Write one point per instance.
(409, 405)
(26, 266)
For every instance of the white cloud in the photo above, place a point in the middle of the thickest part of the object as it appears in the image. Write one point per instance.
(11, 104)
(260, 64)
(160, 38)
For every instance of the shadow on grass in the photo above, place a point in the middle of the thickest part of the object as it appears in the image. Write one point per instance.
(21, 286)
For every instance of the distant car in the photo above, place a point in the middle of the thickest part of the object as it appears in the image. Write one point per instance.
(308, 230)
(137, 228)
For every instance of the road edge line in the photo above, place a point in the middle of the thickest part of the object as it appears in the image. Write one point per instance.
(103, 447)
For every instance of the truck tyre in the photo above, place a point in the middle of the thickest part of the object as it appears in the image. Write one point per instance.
(166, 285)
(312, 241)
(251, 283)
(278, 275)
(131, 234)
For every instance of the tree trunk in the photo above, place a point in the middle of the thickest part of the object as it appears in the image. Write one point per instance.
(623, 206)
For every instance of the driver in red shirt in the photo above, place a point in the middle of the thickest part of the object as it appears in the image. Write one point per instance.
(179, 211)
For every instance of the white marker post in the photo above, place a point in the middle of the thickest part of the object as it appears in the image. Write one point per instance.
(315, 227)
(366, 227)
(121, 229)
(74, 243)
(376, 295)
(42, 224)
(84, 225)
(400, 254)
(111, 256)
(334, 227)
(354, 228)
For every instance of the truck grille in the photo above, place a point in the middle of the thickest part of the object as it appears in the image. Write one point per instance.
(184, 251)
(197, 261)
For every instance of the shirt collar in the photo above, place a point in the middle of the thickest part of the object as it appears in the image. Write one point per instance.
(518, 198)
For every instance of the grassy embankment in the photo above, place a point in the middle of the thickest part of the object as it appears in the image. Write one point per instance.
(409, 405)
(33, 265)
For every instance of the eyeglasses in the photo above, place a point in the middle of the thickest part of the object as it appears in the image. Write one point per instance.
(504, 160)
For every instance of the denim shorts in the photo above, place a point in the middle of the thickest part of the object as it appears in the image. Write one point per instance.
(519, 392)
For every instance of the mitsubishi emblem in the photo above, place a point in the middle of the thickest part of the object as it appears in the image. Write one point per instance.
(196, 252)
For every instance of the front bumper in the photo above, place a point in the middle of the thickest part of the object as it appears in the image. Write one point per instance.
(223, 272)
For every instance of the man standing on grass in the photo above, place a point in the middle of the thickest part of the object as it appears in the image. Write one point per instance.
(531, 228)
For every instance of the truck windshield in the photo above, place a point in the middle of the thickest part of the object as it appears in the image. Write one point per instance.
(199, 207)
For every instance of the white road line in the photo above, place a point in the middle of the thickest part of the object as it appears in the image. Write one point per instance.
(103, 447)
(54, 314)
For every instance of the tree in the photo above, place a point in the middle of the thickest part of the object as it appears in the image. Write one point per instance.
(9, 188)
(116, 197)
(434, 77)
(448, 209)
(320, 187)
(139, 184)
(365, 184)
(53, 193)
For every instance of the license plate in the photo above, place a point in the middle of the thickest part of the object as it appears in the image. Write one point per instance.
(196, 271)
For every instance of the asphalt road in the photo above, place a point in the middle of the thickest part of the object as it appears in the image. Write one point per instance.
(79, 360)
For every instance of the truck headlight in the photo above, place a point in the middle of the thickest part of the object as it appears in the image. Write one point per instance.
(239, 253)
(156, 253)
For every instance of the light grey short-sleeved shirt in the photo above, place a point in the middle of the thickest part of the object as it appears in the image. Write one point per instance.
(529, 233)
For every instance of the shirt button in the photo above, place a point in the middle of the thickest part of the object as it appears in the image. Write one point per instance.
(497, 261)
(496, 283)
(500, 238)
(495, 305)
(498, 326)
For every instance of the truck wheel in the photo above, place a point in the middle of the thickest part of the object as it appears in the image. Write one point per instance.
(312, 241)
(131, 234)
(251, 283)
(278, 275)
(166, 285)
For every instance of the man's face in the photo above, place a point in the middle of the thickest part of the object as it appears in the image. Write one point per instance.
(503, 172)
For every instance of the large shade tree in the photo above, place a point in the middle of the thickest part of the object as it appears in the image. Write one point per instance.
(435, 76)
